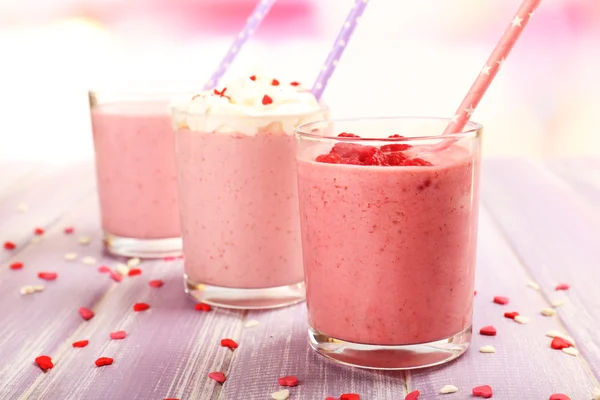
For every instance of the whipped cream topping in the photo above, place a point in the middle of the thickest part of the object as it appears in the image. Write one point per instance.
(249, 105)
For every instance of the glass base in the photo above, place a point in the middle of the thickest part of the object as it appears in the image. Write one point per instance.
(410, 356)
(246, 299)
(142, 248)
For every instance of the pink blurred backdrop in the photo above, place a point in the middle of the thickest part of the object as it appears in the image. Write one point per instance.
(407, 57)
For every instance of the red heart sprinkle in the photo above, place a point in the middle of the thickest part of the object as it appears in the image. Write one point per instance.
(559, 343)
(330, 398)
(102, 361)
(202, 307)
(295, 83)
(81, 343)
(511, 314)
(134, 272)
(474, 292)
(115, 276)
(104, 269)
(229, 343)
(488, 331)
(44, 362)
(16, 265)
(559, 396)
(217, 376)
(10, 246)
(118, 335)
(253, 78)
(350, 396)
(562, 286)
(68, 230)
(156, 283)
(140, 307)
(47, 276)
(86, 313)
(483, 391)
(412, 395)
(275, 82)
(266, 100)
(501, 300)
(290, 380)
(38, 231)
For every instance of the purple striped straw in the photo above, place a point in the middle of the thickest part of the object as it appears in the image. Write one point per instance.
(338, 47)
(260, 11)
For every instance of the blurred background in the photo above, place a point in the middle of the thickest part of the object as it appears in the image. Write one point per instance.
(406, 57)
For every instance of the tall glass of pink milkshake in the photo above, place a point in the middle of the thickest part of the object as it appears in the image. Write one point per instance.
(135, 166)
(238, 191)
(388, 210)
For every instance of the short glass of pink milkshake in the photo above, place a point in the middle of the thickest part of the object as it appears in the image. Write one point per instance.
(135, 167)
(388, 212)
(238, 191)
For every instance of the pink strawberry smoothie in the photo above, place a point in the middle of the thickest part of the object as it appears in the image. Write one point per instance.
(389, 251)
(135, 165)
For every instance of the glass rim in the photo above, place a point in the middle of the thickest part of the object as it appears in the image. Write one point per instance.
(177, 108)
(472, 129)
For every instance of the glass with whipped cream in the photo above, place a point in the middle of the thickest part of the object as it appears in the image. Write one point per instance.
(238, 194)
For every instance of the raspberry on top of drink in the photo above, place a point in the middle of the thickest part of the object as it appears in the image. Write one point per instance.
(393, 154)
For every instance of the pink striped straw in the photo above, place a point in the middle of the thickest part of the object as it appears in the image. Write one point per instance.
(492, 66)
(260, 11)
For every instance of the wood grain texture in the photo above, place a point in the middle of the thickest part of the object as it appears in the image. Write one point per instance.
(556, 234)
(582, 173)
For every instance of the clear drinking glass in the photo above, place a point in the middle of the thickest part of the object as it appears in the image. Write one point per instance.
(135, 166)
(239, 208)
(389, 250)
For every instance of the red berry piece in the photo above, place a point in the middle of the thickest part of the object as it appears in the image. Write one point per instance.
(16, 265)
(103, 269)
(44, 362)
(86, 313)
(10, 246)
(115, 276)
(501, 300)
(559, 343)
(118, 335)
(38, 231)
(377, 158)
(275, 82)
(331, 158)
(413, 395)
(511, 314)
(350, 396)
(81, 343)
(156, 283)
(562, 286)
(347, 134)
(390, 148)
(290, 380)
(202, 307)
(68, 230)
(134, 272)
(295, 83)
(103, 361)
(47, 276)
(559, 396)
(483, 391)
(346, 149)
(488, 331)
(229, 343)
(416, 162)
(253, 77)
(395, 159)
(266, 100)
(396, 136)
(137, 307)
(217, 376)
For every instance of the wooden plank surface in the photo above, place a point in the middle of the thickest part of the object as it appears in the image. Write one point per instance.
(582, 173)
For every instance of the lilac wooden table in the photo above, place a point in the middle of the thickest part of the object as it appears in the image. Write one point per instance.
(539, 222)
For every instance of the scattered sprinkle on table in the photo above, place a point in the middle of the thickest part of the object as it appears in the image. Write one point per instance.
(84, 240)
(122, 269)
(521, 319)
(156, 283)
(217, 376)
(448, 389)
(533, 285)
(572, 351)
(251, 323)
(10, 246)
(16, 265)
(86, 313)
(229, 343)
(118, 335)
(47, 276)
(38, 231)
(559, 396)
(289, 380)
(68, 230)
(559, 343)
(29, 289)
(413, 395)
(103, 361)
(88, 260)
(562, 286)
(280, 395)
(488, 331)
(133, 262)
(548, 312)
(350, 396)
(487, 349)
(80, 343)
(501, 300)
(36, 239)
(202, 307)
(511, 314)
(134, 272)
(70, 256)
(115, 276)
(22, 207)
(140, 307)
(557, 303)
(44, 362)
(483, 391)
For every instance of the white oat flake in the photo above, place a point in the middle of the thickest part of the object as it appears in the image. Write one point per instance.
(521, 319)
(70, 256)
(548, 312)
(448, 389)
(22, 207)
(133, 262)
(572, 351)
(29, 289)
(122, 269)
(88, 260)
(251, 323)
(533, 285)
(557, 303)
(280, 395)
(84, 240)
(487, 349)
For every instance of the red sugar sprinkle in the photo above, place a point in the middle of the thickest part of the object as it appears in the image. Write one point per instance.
(350, 396)
(115, 276)
(483, 391)
(134, 272)
(47, 276)
(156, 283)
(501, 300)
(68, 230)
(412, 395)
(118, 335)
(511, 314)
(330, 398)
(104, 269)
(253, 78)
(266, 100)
(488, 331)
(10, 246)
(86, 313)
(81, 343)
(44, 362)
(275, 82)
(217, 376)
(102, 361)
(16, 265)
(295, 83)
(229, 343)
(559, 396)
(202, 307)
(559, 343)
(290, 380)
(562, 286)
(474, 292)
(38, 231)
(140, 307)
